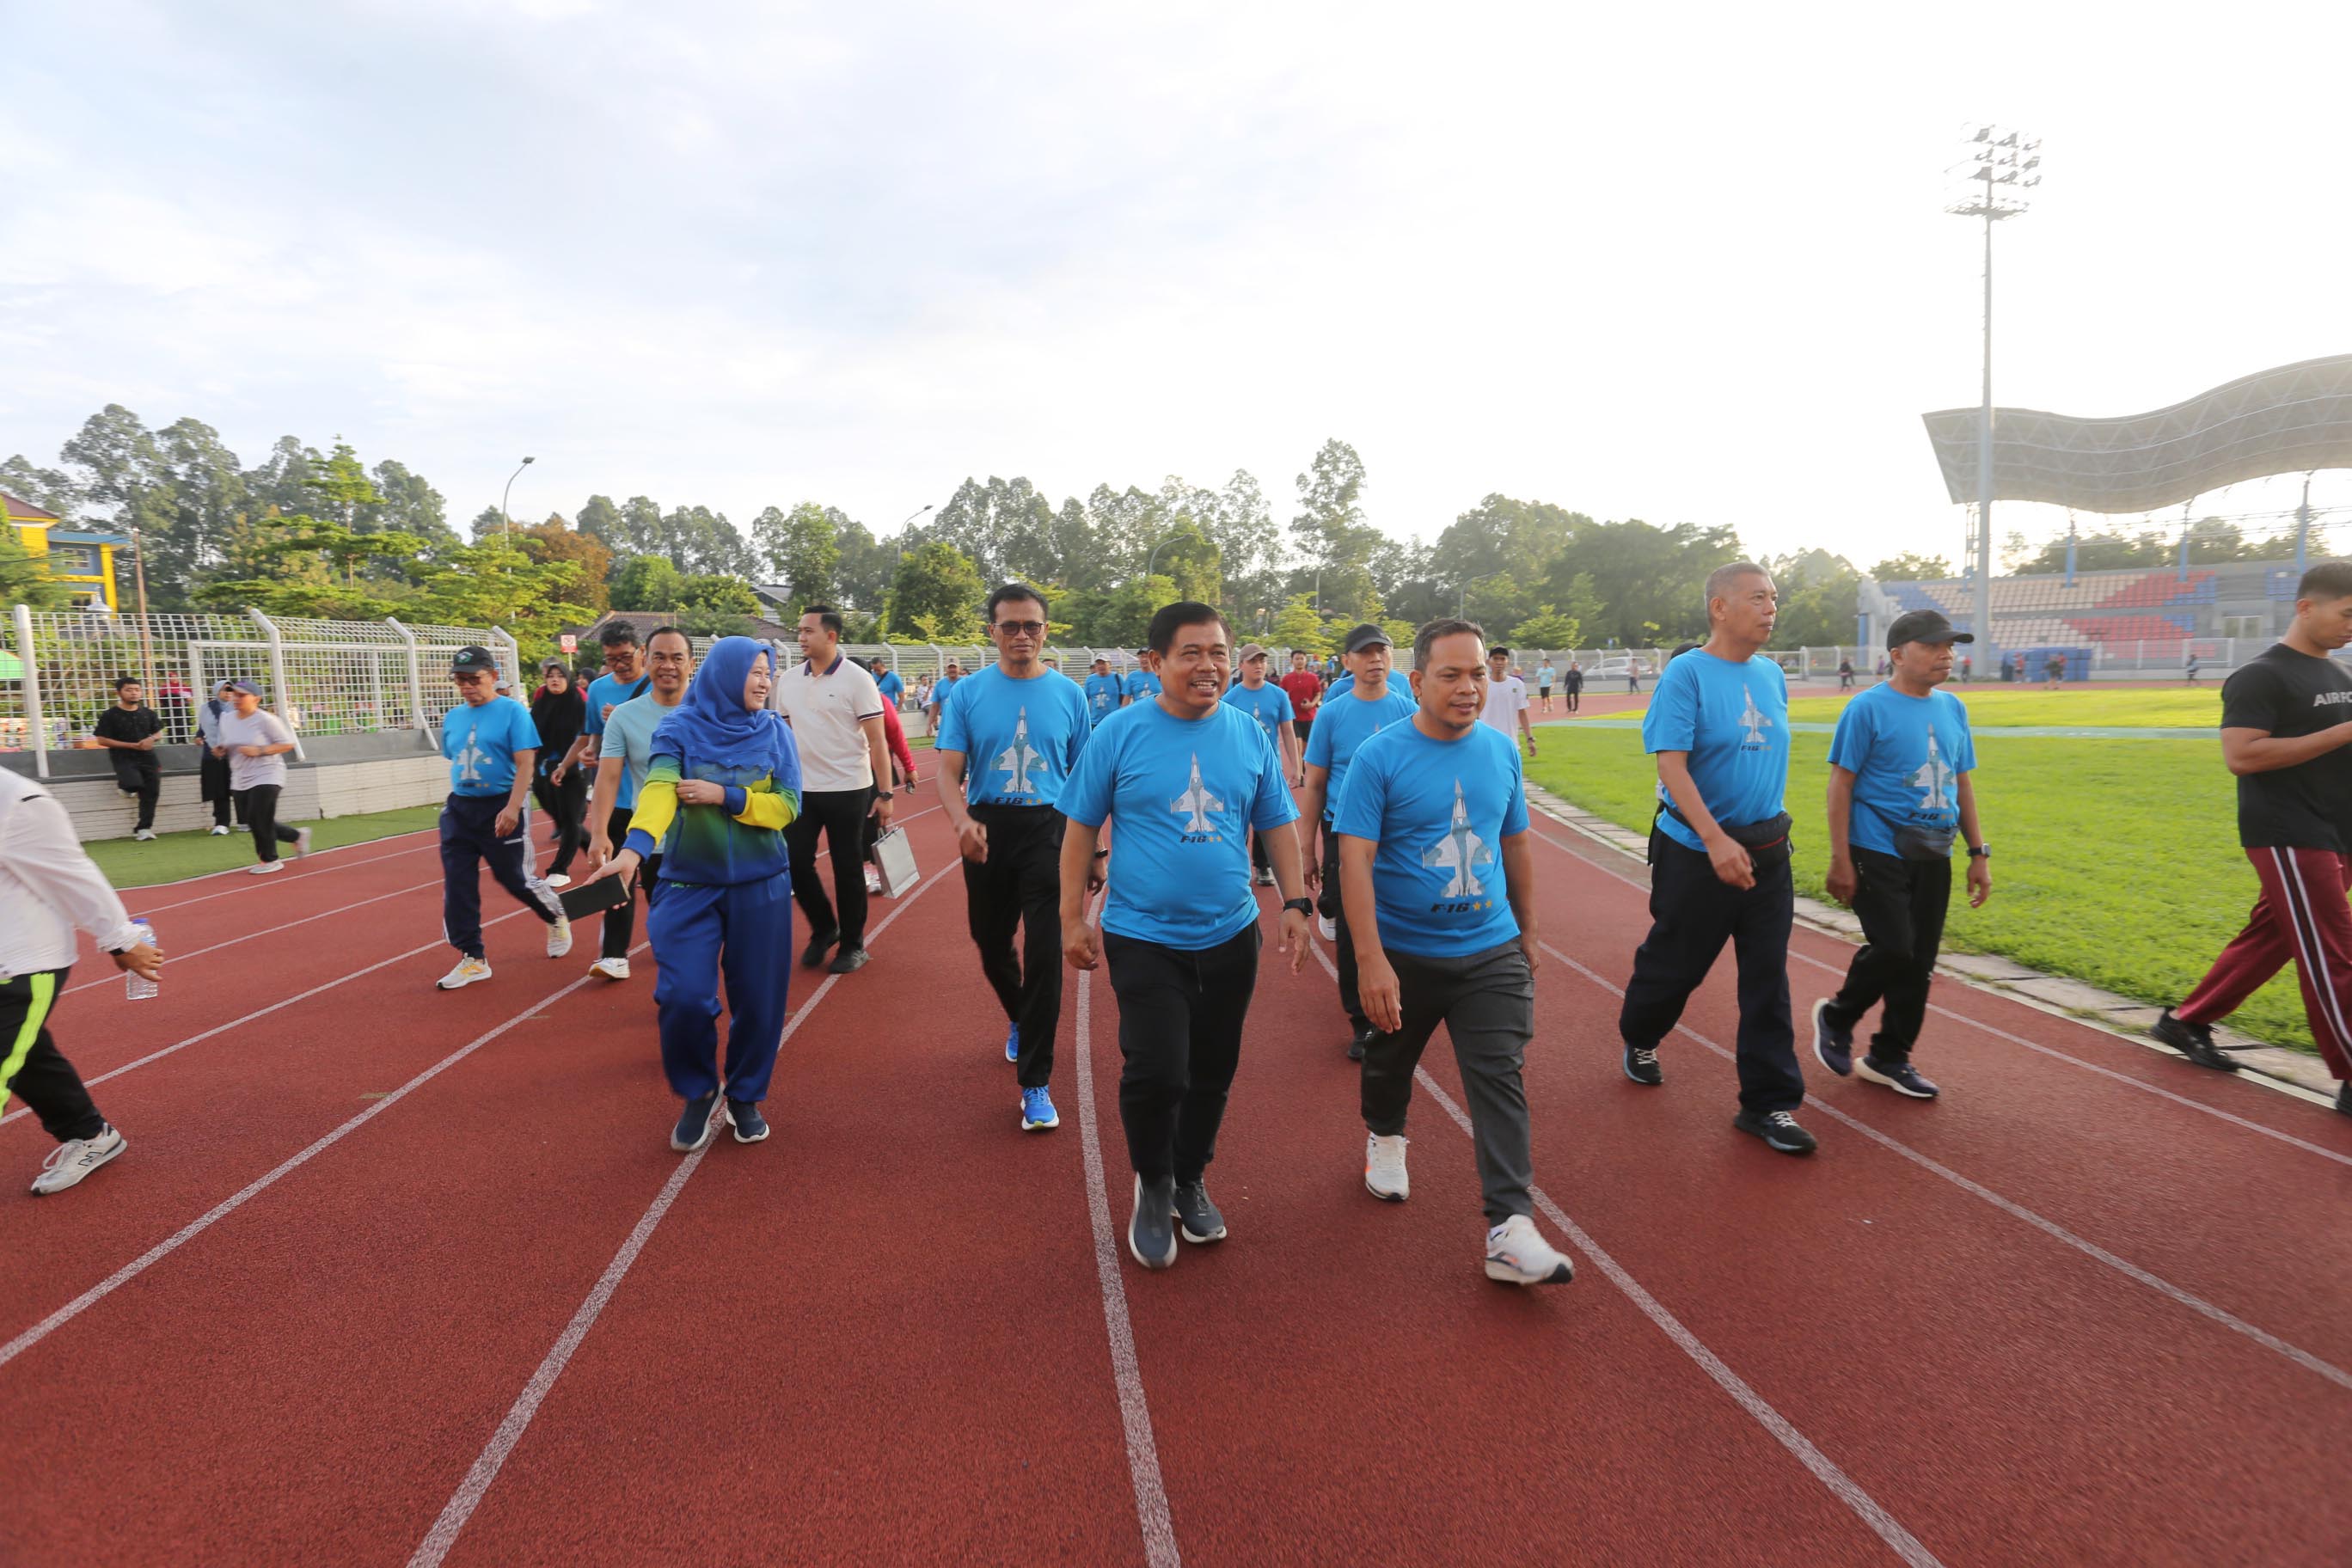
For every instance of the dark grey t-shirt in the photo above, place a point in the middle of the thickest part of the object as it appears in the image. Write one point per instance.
(2309, 805)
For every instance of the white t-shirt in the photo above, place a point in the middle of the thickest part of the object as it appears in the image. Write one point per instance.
(263, 728)
(825, 711)
(1506, 699)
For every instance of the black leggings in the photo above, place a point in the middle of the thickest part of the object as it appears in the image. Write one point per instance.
(259, 804)
(566, 804)
(42, 1078)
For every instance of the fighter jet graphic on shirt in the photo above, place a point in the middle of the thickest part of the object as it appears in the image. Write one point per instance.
(1196, 801)
(1461, 851)
(1933, 778)
(1752, 720)
(1018, 758)
(469, 762)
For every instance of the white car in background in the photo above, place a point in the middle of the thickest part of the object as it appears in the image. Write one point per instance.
(1618, 668)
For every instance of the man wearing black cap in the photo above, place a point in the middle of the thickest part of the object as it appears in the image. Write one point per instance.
(1899, 787)
(492, 746)
(1348, 719)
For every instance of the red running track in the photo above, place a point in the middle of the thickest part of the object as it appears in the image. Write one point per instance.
(389, 1276)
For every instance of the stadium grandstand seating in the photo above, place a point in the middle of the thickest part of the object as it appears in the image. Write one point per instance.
(2136, 605)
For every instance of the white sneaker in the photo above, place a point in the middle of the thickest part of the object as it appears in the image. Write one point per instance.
(266, 867)
(144, 834)
(468, 969)
(559, 879)
(610, 968)
(559, 939)
(74, 1158)
(301, 842)
(1384, 1175)
(220, 831)
(1329, 927)
(1516, 1254)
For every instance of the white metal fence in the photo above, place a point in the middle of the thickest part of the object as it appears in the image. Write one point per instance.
(323, 677)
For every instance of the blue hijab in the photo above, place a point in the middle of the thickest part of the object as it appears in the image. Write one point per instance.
(710, 724)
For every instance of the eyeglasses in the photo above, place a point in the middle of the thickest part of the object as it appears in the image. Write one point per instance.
(1022, 628)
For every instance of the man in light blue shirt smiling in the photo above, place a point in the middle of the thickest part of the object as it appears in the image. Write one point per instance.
(1185, 776)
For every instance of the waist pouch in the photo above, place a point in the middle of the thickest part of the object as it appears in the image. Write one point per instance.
(1923, 843)
(1767, 842)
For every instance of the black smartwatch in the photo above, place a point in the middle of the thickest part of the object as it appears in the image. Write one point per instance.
(1981, 852)
(884, 795)
(1304, 906)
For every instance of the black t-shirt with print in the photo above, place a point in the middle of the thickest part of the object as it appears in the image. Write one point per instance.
(120, 723)
(2309, 805)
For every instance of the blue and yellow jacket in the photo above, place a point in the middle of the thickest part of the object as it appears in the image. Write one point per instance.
(741, 841)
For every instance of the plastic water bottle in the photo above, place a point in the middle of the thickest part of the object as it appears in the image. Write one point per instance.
(135, 986)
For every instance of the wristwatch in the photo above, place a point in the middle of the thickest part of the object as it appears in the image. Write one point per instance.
(884, 793)
(1981, 852)
(1304, 906)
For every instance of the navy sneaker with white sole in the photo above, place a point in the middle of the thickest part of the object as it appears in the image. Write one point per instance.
(696, 1125)
(1151, 1232)
(1778, 1128)
(1833, 1046)
(750, 1127)
(1195, 1215)
(1900, 1077)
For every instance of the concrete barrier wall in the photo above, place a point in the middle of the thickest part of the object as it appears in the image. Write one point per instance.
(341, 784)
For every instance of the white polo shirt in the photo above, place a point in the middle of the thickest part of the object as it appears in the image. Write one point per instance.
(825, 710)
(1506, 699)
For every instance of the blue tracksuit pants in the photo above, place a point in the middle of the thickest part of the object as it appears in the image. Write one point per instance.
(745, 932)
(469, 840)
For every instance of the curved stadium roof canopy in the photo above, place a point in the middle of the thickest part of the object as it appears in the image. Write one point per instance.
(2284, 421)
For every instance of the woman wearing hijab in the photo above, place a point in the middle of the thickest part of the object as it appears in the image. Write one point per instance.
(561, 788)
(212, 761)
(726, 772)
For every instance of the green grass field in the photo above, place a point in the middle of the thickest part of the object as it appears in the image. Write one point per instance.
(130, 864)
(2116, 861)
(2169, 707)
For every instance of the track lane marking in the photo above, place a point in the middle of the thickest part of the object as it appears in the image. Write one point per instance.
(272, 931)
(1824, 1470)
(475, 1485)
(2051, 1051)
(2091, 1250)
(256, 883)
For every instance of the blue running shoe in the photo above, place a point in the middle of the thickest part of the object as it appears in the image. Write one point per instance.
(1037, 1114)
(1832, 1046)
(1901, 1077)
(1013, 1043)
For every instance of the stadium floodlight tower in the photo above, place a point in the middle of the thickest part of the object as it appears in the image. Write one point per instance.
(1996, 176)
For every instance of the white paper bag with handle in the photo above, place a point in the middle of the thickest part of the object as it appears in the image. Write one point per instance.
(894, 854)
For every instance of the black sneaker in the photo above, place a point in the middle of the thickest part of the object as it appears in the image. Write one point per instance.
(1195, 1214)
(1357, 1041)
(2194, 1041)
(1900, 1077)
(1778, 1128)
(1151, 1232)
(813, 955)
(1642, 1065)
(1833, 1045)
(750, 1127)
(849, 960)
(695, 1126)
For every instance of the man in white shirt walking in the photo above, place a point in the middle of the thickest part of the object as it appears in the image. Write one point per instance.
(1506, 700)
(48, 889)
(836, 712)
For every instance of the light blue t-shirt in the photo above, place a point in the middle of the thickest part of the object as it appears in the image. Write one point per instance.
(1346, 683)
(1341, 727)
(605, 689)
(1269, 705)
(1020, 739)
(1103, 692)
(1906, 754)
(1184, 793)
(1439, 810)
(1140, 684)
(1733, 720)
(629, 735)
(891, 688)
(481, 743)
(942, 687)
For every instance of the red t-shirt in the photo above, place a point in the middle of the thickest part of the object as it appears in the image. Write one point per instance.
(1306, 692)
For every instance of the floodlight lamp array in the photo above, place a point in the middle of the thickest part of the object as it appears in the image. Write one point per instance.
(1997, 173)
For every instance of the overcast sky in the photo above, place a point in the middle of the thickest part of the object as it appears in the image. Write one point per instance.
(1678, 263)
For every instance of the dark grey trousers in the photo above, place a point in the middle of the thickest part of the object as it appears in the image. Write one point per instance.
(1487, 1004)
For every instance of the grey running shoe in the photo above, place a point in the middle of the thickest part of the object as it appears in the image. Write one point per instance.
(1778, 1128)
(1151, 1234)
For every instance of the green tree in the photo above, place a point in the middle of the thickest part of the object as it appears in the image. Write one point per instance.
(2107, 550)
(1547, 628)
(552, 540)
(646, 582)
(720, 592)
(1911, 566)
(124, 476)
(1647, 583)
(600, 519)
(406, 504)
(493, 584)
(1297, 626)
(802, 548)
(937, 592)
(1329, 532)
(862, 573)
(45, 488)
(208, 496)
(24, 577)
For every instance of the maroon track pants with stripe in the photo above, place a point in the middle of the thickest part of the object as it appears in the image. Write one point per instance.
(2301, 915)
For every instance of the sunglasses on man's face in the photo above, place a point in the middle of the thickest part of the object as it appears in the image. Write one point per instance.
(471, 677)
(1022, 628)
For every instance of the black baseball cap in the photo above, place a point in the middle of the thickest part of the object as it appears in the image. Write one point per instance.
(474, 657)
(1366, 636)
(1924, 626)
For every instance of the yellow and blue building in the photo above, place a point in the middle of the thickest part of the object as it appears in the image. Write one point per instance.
(82, 560)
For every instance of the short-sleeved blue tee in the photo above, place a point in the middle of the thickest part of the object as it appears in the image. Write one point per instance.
(1733, 720)
(891, 688)
(1439, 810)
(1346, 683)
(942, 687)
(605, 691)
(1182, 793)
(1906, 754)
(480, 743)
(1269, 705)
(1020, 739)
(1140, 684)
(1341, 727)
(1103, 692)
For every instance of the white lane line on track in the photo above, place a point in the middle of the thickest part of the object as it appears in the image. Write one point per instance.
(261, 1184)
(2051, 1051)
(1134, 1411)
(1824, 1470)
(266, 931)
(2091, 1250)
(252, 883)
(485, 1467)
(22, 1111)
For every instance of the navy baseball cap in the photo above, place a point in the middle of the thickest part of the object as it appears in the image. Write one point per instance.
(1924, 626)
(472, 659)
(1366, 636)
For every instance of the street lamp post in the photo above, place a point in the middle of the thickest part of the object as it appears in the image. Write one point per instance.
(1998, 170)
(506, 523)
